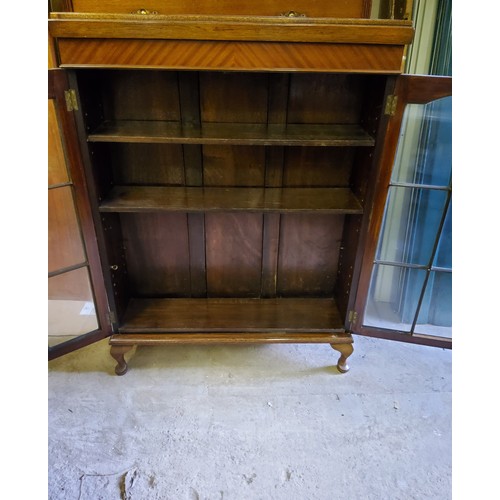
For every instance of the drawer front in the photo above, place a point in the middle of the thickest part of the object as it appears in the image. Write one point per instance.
(338, 8)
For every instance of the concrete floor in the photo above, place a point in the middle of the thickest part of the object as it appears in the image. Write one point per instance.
(251, 422)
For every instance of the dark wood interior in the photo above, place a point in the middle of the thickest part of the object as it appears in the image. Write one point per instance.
(227, 185)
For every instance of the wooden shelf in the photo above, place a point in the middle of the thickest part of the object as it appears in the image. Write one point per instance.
(232, 134)
(281, 316)
(234, 199)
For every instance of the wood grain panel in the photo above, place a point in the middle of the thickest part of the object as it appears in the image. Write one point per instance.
(270, 249)
(272, 337)
(325, 98)
(234, 254)
(231, 315)
(314, 8)
(235, 56)
(157, 253)
(147, 164)
(308, 254)
(197, 257)
(133, 95)
(317, 166)
(231, 28)
(233, 97)
(234, 165)
(231, 133)
(65, 242)
(238, 199)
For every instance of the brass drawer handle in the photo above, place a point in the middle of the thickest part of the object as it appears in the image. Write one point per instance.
(144, 12)
(293, 13)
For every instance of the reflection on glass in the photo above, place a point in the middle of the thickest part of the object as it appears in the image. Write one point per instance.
(393, 297)
(424, 148)
(56, 159)
(434, 317)
(443, 252)
(410, 226)
(71, 306)
(65, 242)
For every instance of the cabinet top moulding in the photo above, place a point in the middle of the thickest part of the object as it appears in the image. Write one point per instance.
(231, 28)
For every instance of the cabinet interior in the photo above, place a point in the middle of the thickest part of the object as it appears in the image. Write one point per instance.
(229, 201)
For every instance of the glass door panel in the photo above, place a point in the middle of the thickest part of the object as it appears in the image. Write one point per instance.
(393, 298)
(74, 302)
(71, 306)
(58, 173)
(408, 291)
(411, 224)
(65, 241)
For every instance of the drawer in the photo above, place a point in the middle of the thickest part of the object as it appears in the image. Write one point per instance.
(338, 8)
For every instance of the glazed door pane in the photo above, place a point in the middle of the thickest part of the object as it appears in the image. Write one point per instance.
(73, 312)
(409, 286)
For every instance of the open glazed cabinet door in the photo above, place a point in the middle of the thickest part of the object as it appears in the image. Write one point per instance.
(78, 308)
(404, 290)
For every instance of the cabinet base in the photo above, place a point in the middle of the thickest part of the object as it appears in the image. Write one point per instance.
(122, 343)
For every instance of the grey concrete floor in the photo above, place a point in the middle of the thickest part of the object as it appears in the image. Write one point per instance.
(251, 422)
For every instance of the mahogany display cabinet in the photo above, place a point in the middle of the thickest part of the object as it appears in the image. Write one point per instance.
(231, 172)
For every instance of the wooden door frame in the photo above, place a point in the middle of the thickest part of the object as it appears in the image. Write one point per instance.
(57, 85)
(409, 89)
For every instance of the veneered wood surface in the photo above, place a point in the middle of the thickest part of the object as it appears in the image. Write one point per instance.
(238, 199)
(315, 8)
(231, 315)
(230, 56)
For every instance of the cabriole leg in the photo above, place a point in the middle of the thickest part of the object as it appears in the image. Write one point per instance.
(118, 352)
(345, 351)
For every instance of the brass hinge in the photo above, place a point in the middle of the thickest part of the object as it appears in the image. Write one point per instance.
(353, 317)
(71, 101)
(390, 105)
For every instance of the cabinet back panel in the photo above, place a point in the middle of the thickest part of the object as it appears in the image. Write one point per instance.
(233, 254)
(234, 165)
(325, 98)
(308, 167)
(233, 97)
(132, 95)
(308, 254)
(147, 164)
(158, 255)
(157, 252)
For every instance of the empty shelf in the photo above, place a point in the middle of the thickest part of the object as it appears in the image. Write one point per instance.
(232, 316)
(232, 134)
(217, 199)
